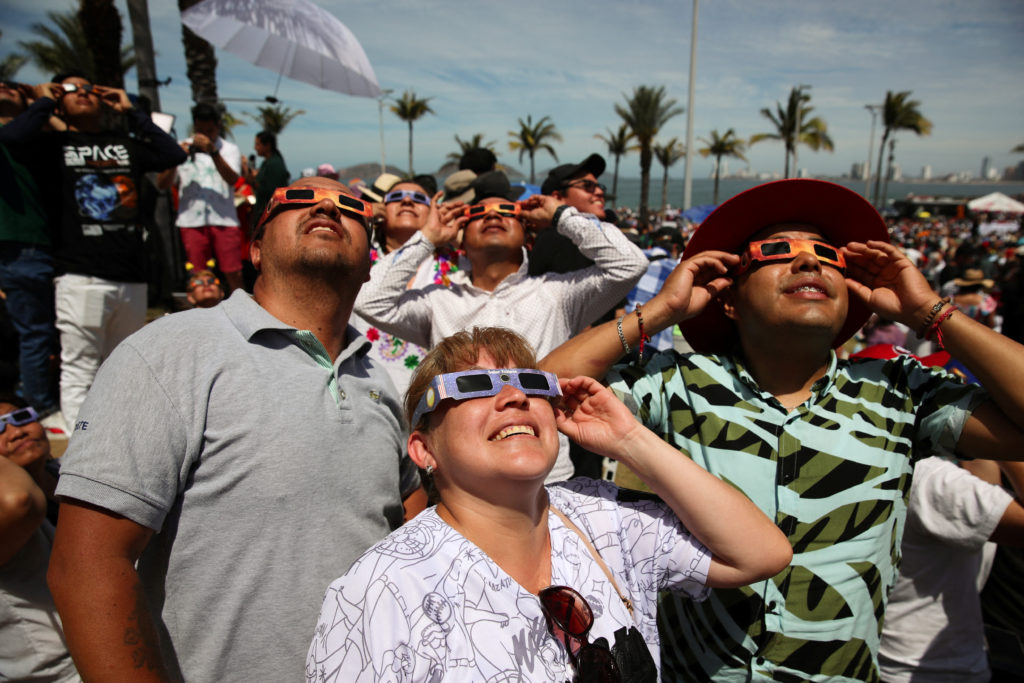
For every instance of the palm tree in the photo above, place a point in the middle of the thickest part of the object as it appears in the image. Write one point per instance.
(813, 130)
(668, 154)
(727, 145)
(618, 145)
(532, 137)
(475, 142)
(899, 112)
(645, 112)
(200, 61)
(274, 119)
(409, 108)
(63, 46)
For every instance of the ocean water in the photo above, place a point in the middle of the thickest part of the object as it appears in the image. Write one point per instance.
(703, 189)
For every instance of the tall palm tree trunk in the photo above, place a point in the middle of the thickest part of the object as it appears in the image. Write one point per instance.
(718, 170)
(142, 35)
(411, 174)
(878, 175)
(200, 62)
(645, 184)
(664, 190)
(101, 23)
(615, 181)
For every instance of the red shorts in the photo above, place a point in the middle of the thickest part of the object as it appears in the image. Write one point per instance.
(223, 240)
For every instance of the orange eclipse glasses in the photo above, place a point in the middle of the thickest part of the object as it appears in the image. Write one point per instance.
(784, 249)
(291, 197)
(510, 210)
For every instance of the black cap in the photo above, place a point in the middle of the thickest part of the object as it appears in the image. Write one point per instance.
(493, 184)
(558, 176)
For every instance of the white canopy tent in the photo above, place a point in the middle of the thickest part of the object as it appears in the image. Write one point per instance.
(996, 202)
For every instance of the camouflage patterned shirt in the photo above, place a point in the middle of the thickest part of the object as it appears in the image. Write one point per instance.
(834, 474)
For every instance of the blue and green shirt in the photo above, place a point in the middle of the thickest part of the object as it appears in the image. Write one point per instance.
(833, 473)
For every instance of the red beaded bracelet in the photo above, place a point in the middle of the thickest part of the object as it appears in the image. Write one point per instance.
(643, 337)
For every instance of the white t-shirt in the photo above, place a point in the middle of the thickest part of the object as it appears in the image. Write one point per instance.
(933, 628)
(204, 197)
(426, 603)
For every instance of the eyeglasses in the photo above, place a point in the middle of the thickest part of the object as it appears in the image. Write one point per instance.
(399, 195)
(587, 185)
(350, 206)
(203, 281)
(21, 416)
(510, 210)
(479, 383)
(570, 619)
(74, 87)
(786, 250)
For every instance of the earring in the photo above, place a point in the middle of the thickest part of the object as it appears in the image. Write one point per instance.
(430, 470)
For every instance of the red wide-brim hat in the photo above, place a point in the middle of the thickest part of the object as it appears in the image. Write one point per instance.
(842, 216)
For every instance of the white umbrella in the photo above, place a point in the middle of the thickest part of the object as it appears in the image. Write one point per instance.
(294, 38)
(996, 202)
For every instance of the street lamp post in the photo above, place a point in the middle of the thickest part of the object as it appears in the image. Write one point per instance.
(688, 166)
(796, 133)
(874, 109)
(380, 112)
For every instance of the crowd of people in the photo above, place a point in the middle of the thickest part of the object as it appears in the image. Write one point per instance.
(510, 436)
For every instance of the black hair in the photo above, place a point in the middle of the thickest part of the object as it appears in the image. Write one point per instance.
(62, 76)
(13, 399)
(267, 138)
(426, 181)
(479, 160)
(204, 111)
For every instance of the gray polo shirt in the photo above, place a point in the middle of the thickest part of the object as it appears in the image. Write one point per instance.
(264, 469)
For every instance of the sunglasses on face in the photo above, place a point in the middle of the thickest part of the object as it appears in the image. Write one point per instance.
(74, 87)
(292, 197)
(510, 210)
(16, 418)
(203, 281)
(570, 619)
(480, 383)
(413, 195)
(786, 250)
(587, 185)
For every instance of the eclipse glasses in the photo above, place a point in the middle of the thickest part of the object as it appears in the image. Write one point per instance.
(510, 210)
(480, 383)
(784, 249)
(413, 195)
(290, 197)
(16, 418)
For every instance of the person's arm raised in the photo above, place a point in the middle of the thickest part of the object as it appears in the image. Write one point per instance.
(109, 627)
(888, 283)
(745, 545)
(690, 287)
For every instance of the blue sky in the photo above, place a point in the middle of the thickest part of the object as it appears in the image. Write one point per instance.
(484, 64)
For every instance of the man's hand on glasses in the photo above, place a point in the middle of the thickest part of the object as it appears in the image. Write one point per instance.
(538, 210)
(444, 221)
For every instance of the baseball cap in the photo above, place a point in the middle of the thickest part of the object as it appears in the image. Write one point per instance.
(842, 215)
(559, 174)
(380, 187)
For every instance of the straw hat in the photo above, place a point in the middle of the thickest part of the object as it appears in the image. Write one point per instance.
(973, 277)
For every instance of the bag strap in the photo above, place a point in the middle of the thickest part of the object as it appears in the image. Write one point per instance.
(596, 555)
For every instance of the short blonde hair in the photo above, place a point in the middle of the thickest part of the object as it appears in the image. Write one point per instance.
(460, 352)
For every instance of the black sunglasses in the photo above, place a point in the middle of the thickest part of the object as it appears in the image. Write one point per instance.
(570, 619)
(587, 185)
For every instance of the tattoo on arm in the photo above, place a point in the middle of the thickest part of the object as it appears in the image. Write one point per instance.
(141, 633)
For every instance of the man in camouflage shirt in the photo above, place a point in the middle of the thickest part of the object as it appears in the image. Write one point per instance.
(771, 283)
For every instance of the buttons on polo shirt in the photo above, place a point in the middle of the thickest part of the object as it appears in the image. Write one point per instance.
(342, 394)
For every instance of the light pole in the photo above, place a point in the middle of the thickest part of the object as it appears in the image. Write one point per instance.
(874, 109)
(688, 165)
(380, 113)
(796, 133)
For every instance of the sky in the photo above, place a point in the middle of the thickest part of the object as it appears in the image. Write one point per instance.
(486, 64)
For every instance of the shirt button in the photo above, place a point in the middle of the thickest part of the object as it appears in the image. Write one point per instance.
(771, 606)
(343, 396)
(759, 660)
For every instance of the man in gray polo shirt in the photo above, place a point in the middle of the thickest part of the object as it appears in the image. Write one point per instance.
(244, 455)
